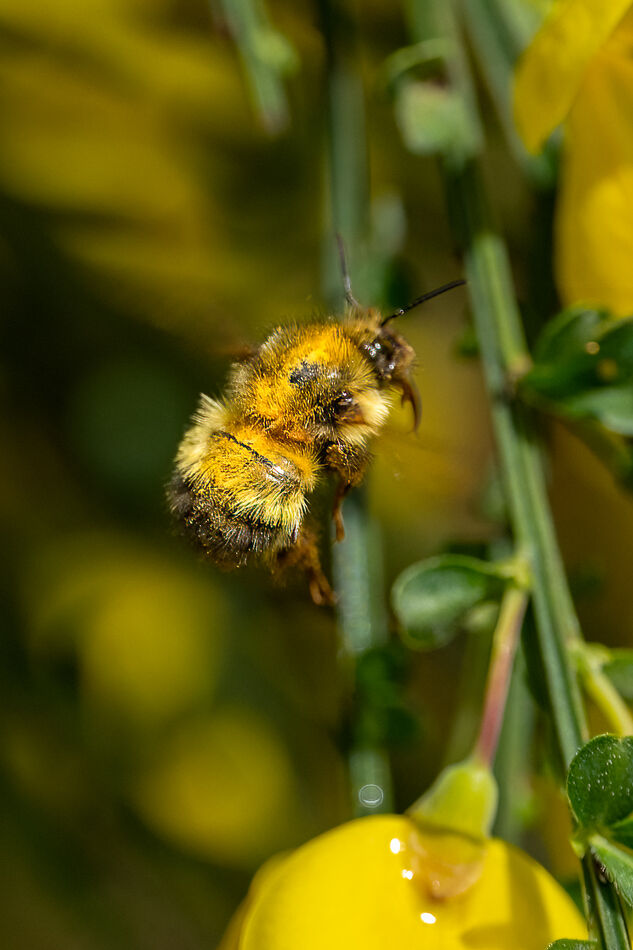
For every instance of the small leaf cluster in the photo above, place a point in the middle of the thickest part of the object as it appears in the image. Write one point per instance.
(618, 666)
(436, 598)
(432, 116)
(600, 791)
(583, 372)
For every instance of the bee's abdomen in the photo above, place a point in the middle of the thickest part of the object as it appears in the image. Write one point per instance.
(241, 498)
(215, 528)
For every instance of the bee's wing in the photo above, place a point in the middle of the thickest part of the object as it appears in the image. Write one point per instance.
(438, 467)
(394, 437)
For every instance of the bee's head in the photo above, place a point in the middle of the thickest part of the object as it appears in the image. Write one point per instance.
(313, 382)
(335, 392)
(388, 353)
(390, 357)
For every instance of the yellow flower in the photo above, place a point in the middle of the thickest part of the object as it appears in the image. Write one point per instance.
(370, 884)
(579, 70)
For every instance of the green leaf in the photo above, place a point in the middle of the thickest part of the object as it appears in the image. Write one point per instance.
(618, 863)
(611, 405)
(600, 788)
(433, 119)
(600, 781)
(622, 832)
(567, 334)
(617, 344)
(583, 367)
(573, 945)
(432, 599)
(619, 669)
(427, 59)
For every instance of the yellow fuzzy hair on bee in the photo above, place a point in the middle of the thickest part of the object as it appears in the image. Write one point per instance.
(305, 405)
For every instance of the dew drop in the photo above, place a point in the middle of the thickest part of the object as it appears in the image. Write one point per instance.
(371, 796)
(394, 845)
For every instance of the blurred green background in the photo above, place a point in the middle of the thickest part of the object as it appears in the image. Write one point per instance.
(165, 727)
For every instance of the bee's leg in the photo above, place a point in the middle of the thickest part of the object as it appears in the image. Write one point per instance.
(320, 589)
(304, 554)
(411, 394)
(337, 514)
(350, 462)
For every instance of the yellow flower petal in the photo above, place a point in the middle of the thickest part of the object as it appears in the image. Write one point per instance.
(552, 68)
(358, 886)
(263, 880)
(594, 236)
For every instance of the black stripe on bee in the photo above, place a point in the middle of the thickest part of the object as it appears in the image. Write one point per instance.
(278, 473)
(304, 373)
(260, 458)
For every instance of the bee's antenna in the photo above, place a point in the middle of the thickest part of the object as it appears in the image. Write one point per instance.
(423, 298)
(347, 283)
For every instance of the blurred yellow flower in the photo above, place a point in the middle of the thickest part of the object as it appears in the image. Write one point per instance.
(147, 634)
(220, 786)
(579, 69)
(366, 884)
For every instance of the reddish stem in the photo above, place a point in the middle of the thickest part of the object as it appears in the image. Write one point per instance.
(504, 644)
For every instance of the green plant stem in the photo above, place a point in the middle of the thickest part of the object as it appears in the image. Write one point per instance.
(500, 337)
(502, 348)
(512, 761)
(503, 354)
(607, 922)
(600, 688)
(474, 669)
(347, 167)
(362, 624)
(265, 55)
(498, 31)
(357, 560)
(609, 701)
(504, 645)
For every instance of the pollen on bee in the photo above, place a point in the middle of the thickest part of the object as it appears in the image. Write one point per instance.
(306, 403)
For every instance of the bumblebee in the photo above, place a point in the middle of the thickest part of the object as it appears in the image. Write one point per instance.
(304, 405)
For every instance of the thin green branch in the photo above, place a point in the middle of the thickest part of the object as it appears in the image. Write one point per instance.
(357, 561)
(512, 762)
(590, 662)
(504, 645)
(267, 57)
(498, 31)
(503, 352)
(502, 347)
(347, 166)
(603, 909)
(499, 333)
